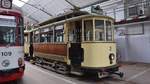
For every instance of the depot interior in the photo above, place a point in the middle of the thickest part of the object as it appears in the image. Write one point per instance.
(132, 32)
(131, 19)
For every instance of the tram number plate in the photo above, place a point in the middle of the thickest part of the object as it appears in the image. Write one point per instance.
(6, 53)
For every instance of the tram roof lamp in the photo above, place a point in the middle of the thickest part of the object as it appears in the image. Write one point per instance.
(6, 4)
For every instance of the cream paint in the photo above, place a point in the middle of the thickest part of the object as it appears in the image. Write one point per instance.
(26, 48)
(97, 54)
(17, 52)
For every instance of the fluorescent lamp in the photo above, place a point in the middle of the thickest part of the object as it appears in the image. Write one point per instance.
(19, 3)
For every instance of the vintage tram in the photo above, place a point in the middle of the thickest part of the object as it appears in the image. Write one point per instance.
(11, 45)
(27, 45)
(77, 43)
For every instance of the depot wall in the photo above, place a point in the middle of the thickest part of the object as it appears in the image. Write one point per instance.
(134, 47)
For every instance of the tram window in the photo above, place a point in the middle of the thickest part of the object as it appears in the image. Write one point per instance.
(88, 30)
(36, 36)
(7, 30)
(7, 36)
(44, 35)
(20, 31)
(75, 31)
(71, 35)
(108, 31)
(50, 34)
(59, 33)
(99, 30)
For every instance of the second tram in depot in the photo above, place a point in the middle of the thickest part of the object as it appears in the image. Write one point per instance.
(27, 45)
(11, 45)
(78, 43)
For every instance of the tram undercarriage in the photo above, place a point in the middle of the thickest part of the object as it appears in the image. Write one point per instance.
(63, 68)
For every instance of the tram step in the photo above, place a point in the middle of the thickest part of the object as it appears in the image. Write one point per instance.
(76, 73)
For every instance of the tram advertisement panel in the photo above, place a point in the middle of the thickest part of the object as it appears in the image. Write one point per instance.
(10, 56)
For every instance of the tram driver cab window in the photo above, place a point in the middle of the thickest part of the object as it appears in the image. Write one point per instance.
(7, 36)
(2, 41)
(88, 30)
(7, 30)
(20, 32)
(109, 31)
(75, 31)
(99, 30)
(72, 36)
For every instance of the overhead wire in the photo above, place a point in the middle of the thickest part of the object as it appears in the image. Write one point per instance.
(37, 8)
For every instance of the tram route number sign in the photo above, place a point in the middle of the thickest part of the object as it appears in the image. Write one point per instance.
(3, 54)
(7, 4)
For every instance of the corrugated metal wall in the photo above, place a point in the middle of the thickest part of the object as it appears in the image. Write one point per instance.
(136, 47)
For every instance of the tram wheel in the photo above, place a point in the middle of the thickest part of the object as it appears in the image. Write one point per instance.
(62, 68)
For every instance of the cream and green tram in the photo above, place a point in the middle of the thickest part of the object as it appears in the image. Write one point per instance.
(81, 44)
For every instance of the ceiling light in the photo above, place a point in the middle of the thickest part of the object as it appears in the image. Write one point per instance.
(19, 3)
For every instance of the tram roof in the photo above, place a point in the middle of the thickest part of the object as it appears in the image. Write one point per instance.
(12, 12)
(64, 16)
(38, 11)
(72, 19)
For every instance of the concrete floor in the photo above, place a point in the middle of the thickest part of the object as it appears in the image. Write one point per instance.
(135, 73)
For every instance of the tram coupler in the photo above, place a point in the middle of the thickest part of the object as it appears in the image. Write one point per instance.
(120, 74)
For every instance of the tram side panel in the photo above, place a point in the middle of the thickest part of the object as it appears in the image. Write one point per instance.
(99, 56)
(10, 55)
(57, 52)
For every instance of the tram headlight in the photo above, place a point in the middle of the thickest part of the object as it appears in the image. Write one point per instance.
(20, 62)
(5, 63)
(112, 56)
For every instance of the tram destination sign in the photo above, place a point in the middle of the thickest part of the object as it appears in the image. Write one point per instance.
(97, 10)
(7, 4)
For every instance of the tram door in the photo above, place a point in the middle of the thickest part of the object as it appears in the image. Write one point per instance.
(75, 38)
(31, 45)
